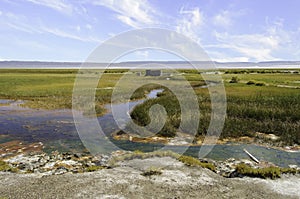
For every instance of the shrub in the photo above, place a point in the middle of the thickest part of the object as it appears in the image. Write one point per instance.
(191, 161)
(5, 167)
(93, 168)
(234, 79)
(269, 172)
(152, 171)
(260, 84)
(250, 83)
(289, 171)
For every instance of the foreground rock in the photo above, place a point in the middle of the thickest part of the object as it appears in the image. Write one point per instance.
(60, 163)
(56, 163)
(125, 181)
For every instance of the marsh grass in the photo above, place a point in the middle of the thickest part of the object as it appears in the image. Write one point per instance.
(269, 172)
(145, 89)
(266, 108)
(262, 108)
(171, 104)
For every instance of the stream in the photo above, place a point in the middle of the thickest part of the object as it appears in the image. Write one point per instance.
(56, 129)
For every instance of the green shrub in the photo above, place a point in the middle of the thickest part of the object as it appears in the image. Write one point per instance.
(289, 171)
(138, 152)
(269, 172)
(260, 84)
(5, 167)
(251, 83)
(152, 171)
(93, 168)
(191, 161)
(234, 79)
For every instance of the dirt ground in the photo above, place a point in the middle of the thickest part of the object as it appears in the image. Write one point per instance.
(126, 181)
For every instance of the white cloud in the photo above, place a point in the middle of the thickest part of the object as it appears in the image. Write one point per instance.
(257, 47)
(289, 46)
(144, 55)
(61, 33)
(134, 13)
(225, 57)
(274, 42)
(127, 20)
(190, 23)
(58, 5)
(22, 23)
(78, 28)
(89, 26)
(226, 18)
(20, 27)
(223, 19)
(232, 59)
(17, 22)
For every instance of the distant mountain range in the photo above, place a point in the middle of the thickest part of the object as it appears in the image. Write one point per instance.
(149, 64)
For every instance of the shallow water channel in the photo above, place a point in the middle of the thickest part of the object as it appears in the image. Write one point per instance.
(56, 129)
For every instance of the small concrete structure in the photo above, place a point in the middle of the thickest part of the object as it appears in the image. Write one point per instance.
(153, 73)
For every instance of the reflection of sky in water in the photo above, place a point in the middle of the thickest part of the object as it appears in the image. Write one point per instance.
(5, 101)
(57, 131)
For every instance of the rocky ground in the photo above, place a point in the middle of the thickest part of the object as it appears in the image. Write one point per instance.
(183, 139)
(57, 163)
(125, 180)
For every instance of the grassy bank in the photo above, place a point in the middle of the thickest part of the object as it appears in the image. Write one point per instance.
(264, 107)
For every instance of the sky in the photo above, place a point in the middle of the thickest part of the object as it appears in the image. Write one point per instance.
(228, 30)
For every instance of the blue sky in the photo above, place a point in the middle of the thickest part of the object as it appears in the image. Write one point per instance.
(228, 30)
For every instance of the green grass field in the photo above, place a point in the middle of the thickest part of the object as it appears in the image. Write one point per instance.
(267, 107)
(49, 89)
(270, 104)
